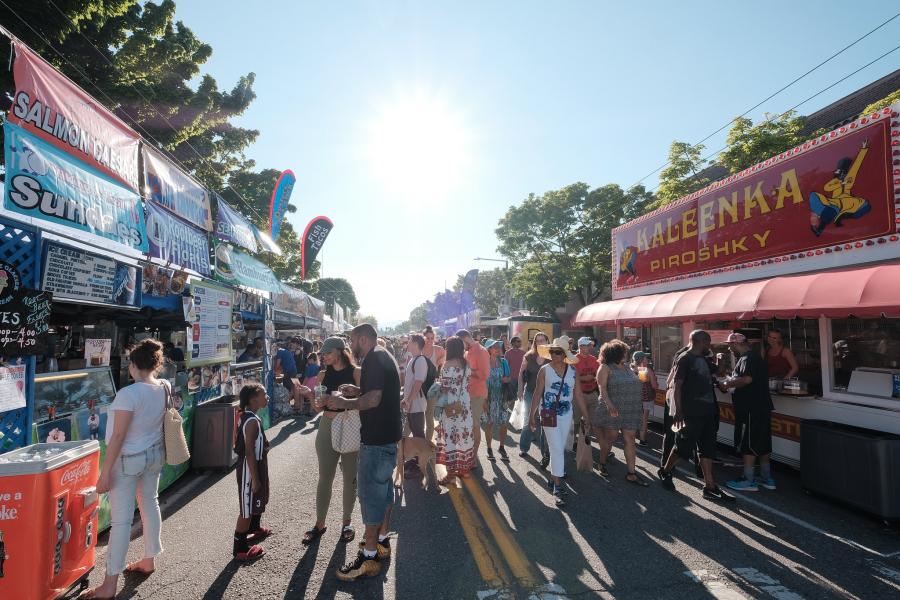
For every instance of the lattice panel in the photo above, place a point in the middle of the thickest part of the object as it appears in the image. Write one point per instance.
(17, 247)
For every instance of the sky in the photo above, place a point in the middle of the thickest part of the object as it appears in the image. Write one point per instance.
(415, 126)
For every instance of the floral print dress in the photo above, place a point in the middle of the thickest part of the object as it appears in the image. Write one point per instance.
(496, 412)
(455, 435)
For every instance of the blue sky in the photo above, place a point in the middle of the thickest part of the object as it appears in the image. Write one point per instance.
(416, 125)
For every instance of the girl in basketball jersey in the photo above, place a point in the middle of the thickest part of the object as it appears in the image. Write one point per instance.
(252, 470)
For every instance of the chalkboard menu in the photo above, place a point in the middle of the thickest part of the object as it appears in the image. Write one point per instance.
(24, 323)
(78, 275)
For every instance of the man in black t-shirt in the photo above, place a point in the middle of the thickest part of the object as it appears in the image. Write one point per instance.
(381, 428)
(696, 417)
(752, 414)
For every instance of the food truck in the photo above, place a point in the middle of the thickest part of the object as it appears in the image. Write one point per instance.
(807, 243)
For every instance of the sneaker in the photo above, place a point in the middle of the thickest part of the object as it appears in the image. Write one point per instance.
(743, 485)
(665, 479)
(363, 566)
(642, 443)
(717, 494)
(384, 548)
(768, 483)
(545, 460)
(558, 498)
(522, 454)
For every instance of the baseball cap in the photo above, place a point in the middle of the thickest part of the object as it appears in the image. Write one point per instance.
(736, 338)
(463, 333)
(332, 343)
(639, 355)
(585, 341)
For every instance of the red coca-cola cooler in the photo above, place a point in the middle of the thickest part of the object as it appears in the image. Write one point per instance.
(48, 518)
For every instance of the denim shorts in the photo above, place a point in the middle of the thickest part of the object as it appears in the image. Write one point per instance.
(374, 480)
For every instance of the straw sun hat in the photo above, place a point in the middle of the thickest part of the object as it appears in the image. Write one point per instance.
(562, 343)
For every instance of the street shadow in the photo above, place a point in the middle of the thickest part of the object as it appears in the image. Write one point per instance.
(220, 585)
(371, 588)
(297, 425)
(303, 571)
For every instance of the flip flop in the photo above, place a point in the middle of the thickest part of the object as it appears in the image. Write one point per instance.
(138, 571)
(259, 534)
(312, 535)
(252, 553)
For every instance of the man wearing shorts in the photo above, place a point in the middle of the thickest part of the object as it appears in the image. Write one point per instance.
(379, 413)
(479, 369)
(696, 415)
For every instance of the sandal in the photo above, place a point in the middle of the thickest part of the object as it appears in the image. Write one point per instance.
(503, 455)
(490, 453)
(134, 569)
(348, 534)
(633, 478)
(259, 535)
(252, 553)
(603, 470)
(312, 535)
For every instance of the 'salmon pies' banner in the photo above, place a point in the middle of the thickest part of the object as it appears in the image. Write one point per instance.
(53, 108)
(235, 267)
(173, 240)
(46, 183)
(231, 226)
(170, 188)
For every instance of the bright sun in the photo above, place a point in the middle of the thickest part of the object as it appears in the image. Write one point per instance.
(418, 147)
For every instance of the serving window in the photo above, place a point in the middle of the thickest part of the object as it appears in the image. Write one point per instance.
(866, 356)
(666, 339)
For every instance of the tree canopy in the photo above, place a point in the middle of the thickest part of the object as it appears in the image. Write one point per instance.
(493, 288)
(879, 104)
(336, 289)
(749, 144)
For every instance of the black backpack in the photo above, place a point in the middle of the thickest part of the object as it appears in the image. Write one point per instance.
(430, 375)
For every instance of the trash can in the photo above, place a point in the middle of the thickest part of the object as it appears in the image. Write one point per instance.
(853, 465)
(48, 518)
(214, 429)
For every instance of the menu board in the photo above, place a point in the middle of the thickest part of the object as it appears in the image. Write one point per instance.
(12, 387)
(24, 323)
(97, 351)
(79, 275)
(210, 332)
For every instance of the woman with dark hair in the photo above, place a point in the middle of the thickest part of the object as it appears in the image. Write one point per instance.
(455, 436)
(339, 368)
(528, 372)
(135, 455)
(779, 358)
(619, 406)
(496, 411)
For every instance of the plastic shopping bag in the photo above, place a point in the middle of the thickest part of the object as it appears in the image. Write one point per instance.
(584, 457)
(517, 417)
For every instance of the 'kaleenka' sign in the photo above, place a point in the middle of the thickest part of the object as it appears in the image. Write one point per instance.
(173, 240)
(46, 183)
(235, 267)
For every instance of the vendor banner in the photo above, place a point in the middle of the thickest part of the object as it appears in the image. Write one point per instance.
(235, 267)
(169, 187)
(175, 241)
(46, 183)
(826, 203)
(313, 239)
(232, 226)
(292, 300)
(48, 105)
(76, 275)
(281, 198)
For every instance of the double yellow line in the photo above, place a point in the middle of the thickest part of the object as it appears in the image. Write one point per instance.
(500, 559)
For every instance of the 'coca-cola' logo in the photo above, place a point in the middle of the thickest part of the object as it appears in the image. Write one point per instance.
(76, 473)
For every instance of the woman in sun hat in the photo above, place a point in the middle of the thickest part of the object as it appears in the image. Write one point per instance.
(496, 412)
(557, 390)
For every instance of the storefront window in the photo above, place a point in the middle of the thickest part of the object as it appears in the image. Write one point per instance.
(667, 339)
(866, 356)
(637, 338)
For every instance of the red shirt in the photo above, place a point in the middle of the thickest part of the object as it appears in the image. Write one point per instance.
(514, 357)
(587, 365)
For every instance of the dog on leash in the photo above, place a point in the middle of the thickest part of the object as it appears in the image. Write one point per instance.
(420, 449)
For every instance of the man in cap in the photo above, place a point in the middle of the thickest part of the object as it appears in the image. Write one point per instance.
(752, 414)
(586, 370)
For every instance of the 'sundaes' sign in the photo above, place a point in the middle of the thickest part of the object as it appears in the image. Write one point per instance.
(231, 226)
(169, 187)
(235, 267)
(78, 275)
(46, 183)
(25, 323)
(824, 204)
(173, 240)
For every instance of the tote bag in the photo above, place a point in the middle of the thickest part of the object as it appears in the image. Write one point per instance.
(173, 431)
(345, 436)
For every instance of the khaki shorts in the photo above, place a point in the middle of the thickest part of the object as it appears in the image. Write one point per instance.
(590, 399)
(477, 405)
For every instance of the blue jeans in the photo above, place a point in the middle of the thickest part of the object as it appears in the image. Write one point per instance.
(526, 437)
(374, 481)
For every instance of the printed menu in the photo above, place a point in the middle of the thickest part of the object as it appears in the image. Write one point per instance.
(210, 332)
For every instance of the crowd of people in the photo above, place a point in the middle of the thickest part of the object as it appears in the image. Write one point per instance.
(452, 394)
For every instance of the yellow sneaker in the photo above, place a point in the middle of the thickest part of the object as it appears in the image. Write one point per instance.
(361, 567)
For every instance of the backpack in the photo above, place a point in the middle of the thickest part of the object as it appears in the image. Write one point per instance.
(430, 374)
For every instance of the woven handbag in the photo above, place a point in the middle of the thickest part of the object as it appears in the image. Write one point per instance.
(173, 431)
(345, 435)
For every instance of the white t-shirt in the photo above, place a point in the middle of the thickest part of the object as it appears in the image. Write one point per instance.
(148, 403)
(418, 403)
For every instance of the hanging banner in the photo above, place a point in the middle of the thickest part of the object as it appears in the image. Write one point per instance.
(313, 239)
(231, 226)
(235, 267)
(292, 300)
(265, 242)
(48, 105)
(467, 294)
(210, 331)
(169, 187)
(78, 275)
(316, 308)
(45, 183)
(173, 240)
(281, 198)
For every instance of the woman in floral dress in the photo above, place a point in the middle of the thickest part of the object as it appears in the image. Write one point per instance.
(455, 437)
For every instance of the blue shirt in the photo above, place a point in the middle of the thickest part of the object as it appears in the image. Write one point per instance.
(288, 364)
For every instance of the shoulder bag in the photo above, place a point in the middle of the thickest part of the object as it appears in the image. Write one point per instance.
(345, 434)
(173, 430)
(548, 415)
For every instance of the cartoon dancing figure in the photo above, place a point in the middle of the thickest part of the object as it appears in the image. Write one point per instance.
(626, 261)
(842, 203)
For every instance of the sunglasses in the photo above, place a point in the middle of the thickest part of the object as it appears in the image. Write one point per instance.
(557, 352)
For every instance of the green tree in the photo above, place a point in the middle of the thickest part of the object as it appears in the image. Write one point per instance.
(337, 289)
(682, 176)
(749, 144)
(560, 242)
(879, 104)
(370, 319)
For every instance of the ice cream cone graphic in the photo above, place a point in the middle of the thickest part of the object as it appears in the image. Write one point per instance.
(4, 280)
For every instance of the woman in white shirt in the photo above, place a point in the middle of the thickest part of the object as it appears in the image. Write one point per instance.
(135, 454)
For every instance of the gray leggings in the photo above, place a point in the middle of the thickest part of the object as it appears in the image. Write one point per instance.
(328, 462)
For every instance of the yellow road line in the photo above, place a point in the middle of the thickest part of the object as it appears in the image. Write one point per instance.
(515, 556)
(489, 563)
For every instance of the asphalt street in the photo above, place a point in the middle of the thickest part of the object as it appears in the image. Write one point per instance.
(498, 535)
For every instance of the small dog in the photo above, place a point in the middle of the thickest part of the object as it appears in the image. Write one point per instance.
(418, 448)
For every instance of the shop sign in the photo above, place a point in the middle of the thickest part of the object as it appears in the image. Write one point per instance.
(826, 203)
(174, 241)
(12, 388)
(10, 281)
(169, 187)
(231, 226)
(292, 300)
(45, 183)
(48, 105)
(25, 323)
(210, 330)
(78, 275)
(236, 267)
